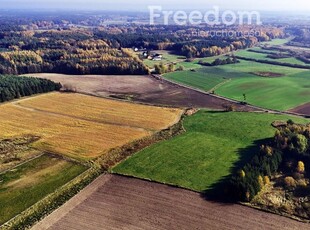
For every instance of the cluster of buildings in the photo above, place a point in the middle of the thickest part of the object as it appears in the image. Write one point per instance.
(154, 56)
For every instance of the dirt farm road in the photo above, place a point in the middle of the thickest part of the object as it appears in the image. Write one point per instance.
(117, 202)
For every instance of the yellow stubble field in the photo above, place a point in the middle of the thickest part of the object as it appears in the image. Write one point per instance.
(80, 126)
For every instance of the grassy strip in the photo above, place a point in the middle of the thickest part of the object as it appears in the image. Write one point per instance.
(117, 155)
(51, 202)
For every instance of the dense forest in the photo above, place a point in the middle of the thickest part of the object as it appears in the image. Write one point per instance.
(72, 45)
(70, 57)
(13, 87)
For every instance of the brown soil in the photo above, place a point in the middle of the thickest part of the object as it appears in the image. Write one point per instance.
(116, 202)
(303, 109)
(268, 74)
(143, 89)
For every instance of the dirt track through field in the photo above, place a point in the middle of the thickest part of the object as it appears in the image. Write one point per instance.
(116, 202)
(18, 105)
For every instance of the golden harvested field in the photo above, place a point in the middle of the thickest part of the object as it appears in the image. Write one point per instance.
(104, 110)
(80, 126)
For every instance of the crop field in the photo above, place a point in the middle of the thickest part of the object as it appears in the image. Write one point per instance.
(25, 185)
(261, 56)
(145, 89)
(277, 42)
(204, 78)
(195, 63)
(280, 93)
(105, 111)
(215, 143)
(69, 124)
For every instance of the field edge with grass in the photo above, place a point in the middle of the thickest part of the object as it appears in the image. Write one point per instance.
(173, 161)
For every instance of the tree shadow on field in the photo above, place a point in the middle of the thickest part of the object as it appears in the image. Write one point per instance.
(220, 191)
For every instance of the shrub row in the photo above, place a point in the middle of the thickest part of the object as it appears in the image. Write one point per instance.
(117, 155)
(274, 63)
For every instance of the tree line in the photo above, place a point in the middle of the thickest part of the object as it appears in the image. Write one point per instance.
(271, 62)
(14, 87)
(218, 61)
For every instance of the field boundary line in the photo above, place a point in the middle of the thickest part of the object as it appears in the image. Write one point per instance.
(35, 214)
(63, 210)
(25, 162)
(219, 85)
(231, 100)
(282, 64)
(155, 182)
(293, 217)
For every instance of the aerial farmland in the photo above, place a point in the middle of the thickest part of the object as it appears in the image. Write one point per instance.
(112, 120)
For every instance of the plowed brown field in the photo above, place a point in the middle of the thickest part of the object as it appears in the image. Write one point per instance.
(143, 89)
(115, 202)
(303, 109)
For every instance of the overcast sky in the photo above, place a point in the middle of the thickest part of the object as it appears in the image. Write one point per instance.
(271, 5)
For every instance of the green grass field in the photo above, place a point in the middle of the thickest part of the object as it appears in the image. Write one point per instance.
(199, 78)
(277, 42)
(27, 184)
(261, 56)
(213, 145)
(280, 93)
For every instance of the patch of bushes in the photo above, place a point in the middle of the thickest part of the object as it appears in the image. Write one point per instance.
(289, 151)
(303, 59)
(247, 184)
(161, 68)
(278, 56)
(218, 62)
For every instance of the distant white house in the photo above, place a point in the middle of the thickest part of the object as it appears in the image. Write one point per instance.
(158, 58)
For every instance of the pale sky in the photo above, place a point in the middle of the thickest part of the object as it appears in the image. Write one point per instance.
(270, 5)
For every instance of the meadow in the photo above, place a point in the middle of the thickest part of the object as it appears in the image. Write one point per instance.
(23, 186)
(279, 93)
(263, 56)
(214, 144)
(277, 42)
(80, 126)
